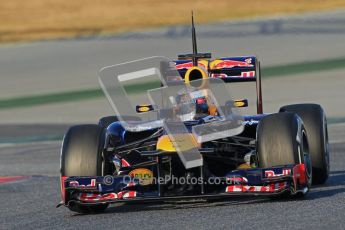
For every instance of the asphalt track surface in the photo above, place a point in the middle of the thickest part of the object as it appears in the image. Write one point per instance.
(30, 203)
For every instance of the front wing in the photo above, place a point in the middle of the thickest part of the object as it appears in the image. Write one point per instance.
(253, 182)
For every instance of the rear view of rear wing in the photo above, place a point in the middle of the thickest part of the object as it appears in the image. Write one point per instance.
(229, 69)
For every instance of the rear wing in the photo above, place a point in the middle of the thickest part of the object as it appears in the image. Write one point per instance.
(229, 69)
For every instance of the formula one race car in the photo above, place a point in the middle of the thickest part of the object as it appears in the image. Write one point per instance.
(274, 155)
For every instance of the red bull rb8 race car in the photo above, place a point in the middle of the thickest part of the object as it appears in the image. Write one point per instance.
(198, 147)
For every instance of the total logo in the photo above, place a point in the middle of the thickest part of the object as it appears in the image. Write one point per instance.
(144, 175)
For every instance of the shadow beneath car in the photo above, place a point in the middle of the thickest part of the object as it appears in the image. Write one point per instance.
(176, 205)
(334, 185)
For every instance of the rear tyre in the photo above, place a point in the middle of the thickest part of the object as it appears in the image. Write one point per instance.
(104, 122)
(81, 155)
(315, 123)
(282, 140)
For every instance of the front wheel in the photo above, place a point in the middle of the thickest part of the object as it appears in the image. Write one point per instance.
(81, 155)
(282, 140)
(315, 123)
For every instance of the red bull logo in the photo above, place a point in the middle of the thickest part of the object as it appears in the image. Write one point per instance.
(187, 65)
(228, 64)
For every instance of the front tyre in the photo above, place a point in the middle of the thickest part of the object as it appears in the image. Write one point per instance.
(282, 140)
(81, 155)
(315, 123)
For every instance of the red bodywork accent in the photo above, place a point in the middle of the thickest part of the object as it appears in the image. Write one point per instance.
(299, 174)
(6, 179)
(131, 184)
(274, 187)
(271, 173)
(238, 180)
(85, 197)
(219, 75)
(97, 197)
(63, 191)
(124, 163)
(248, 74)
